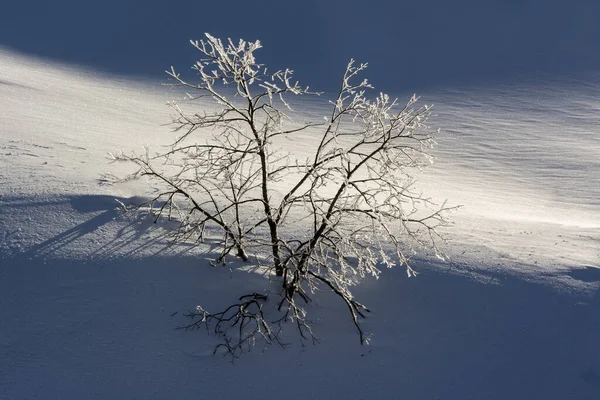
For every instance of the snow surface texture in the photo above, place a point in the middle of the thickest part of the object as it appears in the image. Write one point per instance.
(89, 299)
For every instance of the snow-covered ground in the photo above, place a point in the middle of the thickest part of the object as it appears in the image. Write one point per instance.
(89, 299)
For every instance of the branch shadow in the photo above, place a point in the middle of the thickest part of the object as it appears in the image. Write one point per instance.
(105, 209)
(136, 233)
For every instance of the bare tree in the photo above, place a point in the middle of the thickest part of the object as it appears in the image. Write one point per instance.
(354, 194)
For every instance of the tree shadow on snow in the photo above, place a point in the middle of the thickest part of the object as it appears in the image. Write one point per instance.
(132, 234)
(105, 209)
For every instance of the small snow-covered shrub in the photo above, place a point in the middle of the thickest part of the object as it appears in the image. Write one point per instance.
(326, 219)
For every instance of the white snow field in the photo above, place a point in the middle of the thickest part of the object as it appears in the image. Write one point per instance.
(89, 299)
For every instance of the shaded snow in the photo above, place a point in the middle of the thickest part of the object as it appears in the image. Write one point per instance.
(89, 298)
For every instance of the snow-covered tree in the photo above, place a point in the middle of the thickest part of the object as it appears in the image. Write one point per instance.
(353, 196)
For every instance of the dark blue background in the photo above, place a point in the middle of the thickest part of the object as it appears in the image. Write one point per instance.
(410, 45)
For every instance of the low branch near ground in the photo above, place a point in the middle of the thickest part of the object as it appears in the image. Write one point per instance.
(246, 318)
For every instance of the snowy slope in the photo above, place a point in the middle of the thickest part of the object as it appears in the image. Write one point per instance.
(523, 157)
(89, 298)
